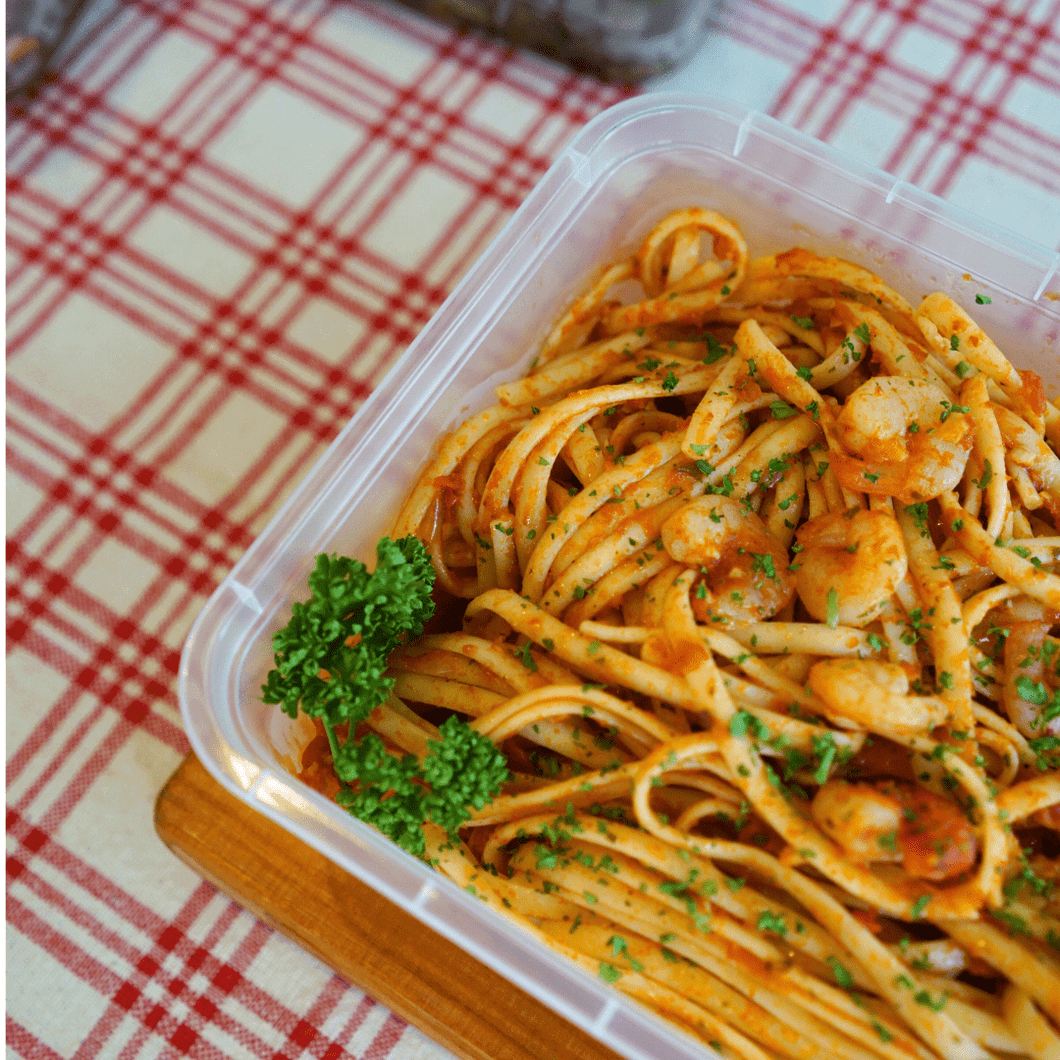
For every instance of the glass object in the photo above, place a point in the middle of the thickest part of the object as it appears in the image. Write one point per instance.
(617, 40)
(35, 29)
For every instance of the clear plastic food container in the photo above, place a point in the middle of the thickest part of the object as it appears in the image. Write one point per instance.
(628, 167)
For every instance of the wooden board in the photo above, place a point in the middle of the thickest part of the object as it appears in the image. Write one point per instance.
(364, 937)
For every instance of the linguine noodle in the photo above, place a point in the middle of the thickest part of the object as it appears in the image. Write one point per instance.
(753, 578)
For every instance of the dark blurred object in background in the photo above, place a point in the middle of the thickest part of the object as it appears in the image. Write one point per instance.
(617, 40)
(35, 29)
(623, 41)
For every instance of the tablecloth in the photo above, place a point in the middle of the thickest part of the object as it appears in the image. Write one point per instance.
(225, 221)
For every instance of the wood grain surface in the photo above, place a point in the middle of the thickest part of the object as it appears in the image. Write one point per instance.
(372, 943)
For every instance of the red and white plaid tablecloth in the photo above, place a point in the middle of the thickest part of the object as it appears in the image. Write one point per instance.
(225, 220)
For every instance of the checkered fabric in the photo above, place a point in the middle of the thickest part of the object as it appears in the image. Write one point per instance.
(959, 97)
(225, 220)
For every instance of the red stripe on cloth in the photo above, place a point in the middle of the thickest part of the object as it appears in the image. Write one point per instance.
(23, 1042)
(154, 976)
(386, 1039)
(1005, 40)
(195, 980)
(946, 119)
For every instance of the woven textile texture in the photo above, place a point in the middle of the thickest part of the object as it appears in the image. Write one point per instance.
(959, 97)
(226, 219)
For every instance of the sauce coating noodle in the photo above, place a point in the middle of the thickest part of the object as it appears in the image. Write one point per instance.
(753, 578)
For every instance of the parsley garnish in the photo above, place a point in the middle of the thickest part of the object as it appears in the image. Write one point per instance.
(1016, 924)
(832, 608)
(922, 997)
(1035, 692)
(824, 746)
(772, 922)
(330, 663)
(843, 978)
(743, 721)
(715, 350)
(917, 910)
(1042, 747)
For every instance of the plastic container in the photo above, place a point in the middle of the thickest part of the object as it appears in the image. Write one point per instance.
(617, 40)
(627, 167)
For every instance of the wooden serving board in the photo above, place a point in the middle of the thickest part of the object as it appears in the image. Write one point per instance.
(427, 980)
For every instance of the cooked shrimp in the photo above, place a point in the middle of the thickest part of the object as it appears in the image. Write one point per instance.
(1029, 692)
(1047, 818)
(875, 695)
(903, 438)
(849, 565)
(744, 569)
(860, 818)
(899, 822)
(1031, 462)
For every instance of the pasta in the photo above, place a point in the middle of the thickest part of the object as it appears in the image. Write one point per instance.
(754, 578)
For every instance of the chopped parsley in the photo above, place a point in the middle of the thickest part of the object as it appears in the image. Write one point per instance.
(832, 608)
(330, 664)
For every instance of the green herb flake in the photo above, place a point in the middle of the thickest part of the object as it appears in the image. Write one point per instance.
(832, 608)
(330, 664)
(843, 978)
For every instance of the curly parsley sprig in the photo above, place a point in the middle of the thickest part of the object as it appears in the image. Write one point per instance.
(331, 661)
